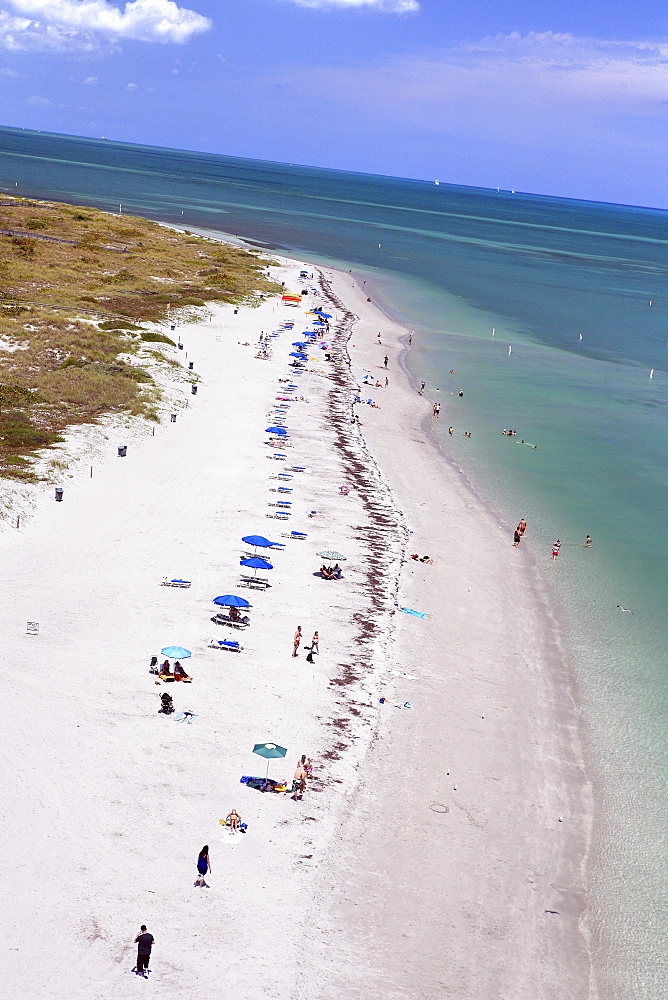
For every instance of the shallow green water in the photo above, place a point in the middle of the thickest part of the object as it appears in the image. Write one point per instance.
(455, 263)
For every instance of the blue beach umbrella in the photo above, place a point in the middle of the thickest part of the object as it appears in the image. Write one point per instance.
(176, 652)
(257, 541)
(279, 431)
(231, 601)
(256, 563)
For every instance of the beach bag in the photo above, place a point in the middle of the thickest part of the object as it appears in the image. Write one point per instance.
(309, 656)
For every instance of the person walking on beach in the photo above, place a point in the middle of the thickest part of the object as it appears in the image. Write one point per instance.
(315, 641)
(522, 526)
(203, 863)
(297, 640)
(422, 387)
(386, 360)
(451, 431)
(517, 538)
(299, 782)
(555, 549)
(410, 339)
(144, 942)
(437, 409)
(387, 381)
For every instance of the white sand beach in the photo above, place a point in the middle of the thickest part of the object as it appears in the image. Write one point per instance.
(438, 849)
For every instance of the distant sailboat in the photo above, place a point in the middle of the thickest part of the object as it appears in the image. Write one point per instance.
(510, 350)
(580, 336)
(437, 183)
(493, 331)
(651, 374)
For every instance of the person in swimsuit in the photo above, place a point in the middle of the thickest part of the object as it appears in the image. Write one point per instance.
(203, 863)
(555, 549)
(522, 526)
(587, 541)
(315, 644)
(306, 765)
(517, 538)
(297, 640)
(233, 819)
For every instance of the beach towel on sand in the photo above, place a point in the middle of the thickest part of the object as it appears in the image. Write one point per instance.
(418, 614)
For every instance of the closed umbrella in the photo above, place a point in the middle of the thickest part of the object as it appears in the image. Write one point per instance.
(269, 750)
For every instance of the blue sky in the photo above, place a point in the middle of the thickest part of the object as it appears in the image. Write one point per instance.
(563, 97)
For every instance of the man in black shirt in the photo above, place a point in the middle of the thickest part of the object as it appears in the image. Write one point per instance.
(144, 942)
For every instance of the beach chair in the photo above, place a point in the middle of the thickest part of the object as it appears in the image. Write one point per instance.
(231, 645)
(297, 468)
(299, 535)
(238, 623)
(280, 515)
(252, 584)
(175, 583)
(278, 457)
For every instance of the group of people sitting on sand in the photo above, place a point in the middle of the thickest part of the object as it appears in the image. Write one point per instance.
(423, 559)
(331, 572)
(179, 674)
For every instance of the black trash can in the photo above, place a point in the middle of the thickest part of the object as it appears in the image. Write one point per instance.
(122, 450)
(180, 346)
(59, 493)
(193, 389)
(173, 326)
(236, 311)
(190, 365)
(172, 417)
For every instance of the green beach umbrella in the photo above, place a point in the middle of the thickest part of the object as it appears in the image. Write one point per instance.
(338, 556)
(269, 750)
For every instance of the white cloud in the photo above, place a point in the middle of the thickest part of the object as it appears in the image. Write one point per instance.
(91, 80)
(81, 25)
(383, 6)
(131, 86)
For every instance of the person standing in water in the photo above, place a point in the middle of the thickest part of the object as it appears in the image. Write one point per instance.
(587, 541)
(522, 526)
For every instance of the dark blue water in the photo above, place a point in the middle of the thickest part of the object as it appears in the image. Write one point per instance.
(580, 291)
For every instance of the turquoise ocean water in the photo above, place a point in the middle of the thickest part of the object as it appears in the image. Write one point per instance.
(580, 292)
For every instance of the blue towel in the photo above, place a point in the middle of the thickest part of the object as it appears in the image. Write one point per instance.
(418, 614)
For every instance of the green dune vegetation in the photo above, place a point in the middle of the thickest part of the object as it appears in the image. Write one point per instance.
(77, 290)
